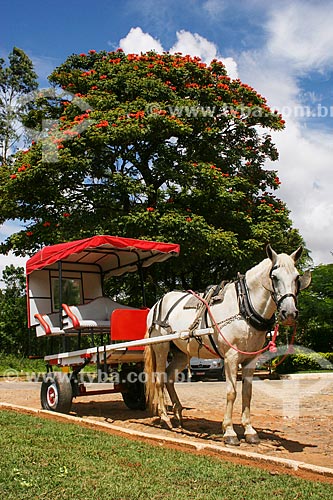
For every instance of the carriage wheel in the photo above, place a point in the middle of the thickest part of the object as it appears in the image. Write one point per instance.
(134, 397)
(56, 393)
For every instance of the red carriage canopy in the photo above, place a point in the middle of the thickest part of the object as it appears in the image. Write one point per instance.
(114, 255)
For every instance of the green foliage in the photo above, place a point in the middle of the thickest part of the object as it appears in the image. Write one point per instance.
(17, 365)
(157, 147)
(304, 362)
(316, 311)
(40, 456)
(17, 80)
(13, 312)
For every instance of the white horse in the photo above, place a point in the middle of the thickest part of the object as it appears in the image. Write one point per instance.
(243, 317)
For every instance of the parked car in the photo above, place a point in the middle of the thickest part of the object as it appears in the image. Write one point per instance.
(207, 368)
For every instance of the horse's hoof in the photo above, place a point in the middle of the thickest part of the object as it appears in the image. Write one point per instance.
(252, 438)
(166, 424)
(178, 424)
(231, 440)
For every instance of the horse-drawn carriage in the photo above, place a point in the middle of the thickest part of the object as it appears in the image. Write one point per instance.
(66, 303)
(65, 300)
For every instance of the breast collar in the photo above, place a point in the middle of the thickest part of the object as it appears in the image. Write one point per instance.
(247, 310)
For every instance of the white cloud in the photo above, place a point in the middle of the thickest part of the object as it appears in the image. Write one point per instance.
(294, 47)
(307, 182)
(9, 227)
(7, 260)
(197, 45)
(6, 230)
(194, 45)
(136, 41)
(302, 34)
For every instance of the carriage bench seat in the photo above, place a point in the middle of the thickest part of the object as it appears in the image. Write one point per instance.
(93, 316)
(49, 324)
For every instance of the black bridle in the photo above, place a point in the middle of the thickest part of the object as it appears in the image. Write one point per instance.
(278, 300)
(246, 308)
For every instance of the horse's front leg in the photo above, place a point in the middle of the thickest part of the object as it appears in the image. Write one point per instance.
(248, 368)
(230, 367)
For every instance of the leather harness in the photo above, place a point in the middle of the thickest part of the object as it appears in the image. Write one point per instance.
(246, 309)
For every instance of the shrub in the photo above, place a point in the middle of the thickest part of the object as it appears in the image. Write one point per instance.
(299, 362)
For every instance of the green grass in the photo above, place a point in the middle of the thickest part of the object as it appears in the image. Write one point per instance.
(46, 459)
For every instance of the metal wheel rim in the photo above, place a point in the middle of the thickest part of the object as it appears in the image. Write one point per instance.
(52, 396)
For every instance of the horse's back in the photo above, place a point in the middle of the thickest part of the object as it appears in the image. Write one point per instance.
(168, 310)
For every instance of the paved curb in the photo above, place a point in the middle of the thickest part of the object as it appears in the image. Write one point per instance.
(199, 446)
(307, 376)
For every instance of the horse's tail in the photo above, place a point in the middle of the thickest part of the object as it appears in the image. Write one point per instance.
(150, 374)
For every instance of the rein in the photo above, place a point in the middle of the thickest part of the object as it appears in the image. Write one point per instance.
(290, 347)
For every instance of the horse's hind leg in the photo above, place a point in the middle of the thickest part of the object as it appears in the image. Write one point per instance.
(251, 435)
(177, 364)
(161, 353)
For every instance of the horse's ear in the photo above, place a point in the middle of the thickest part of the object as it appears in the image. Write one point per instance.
(271, 254)
(296, 255)
(305, 280)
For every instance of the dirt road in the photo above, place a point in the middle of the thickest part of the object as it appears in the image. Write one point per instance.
(294, 418)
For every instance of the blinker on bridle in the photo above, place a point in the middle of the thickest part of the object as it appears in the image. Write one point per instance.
(278, 301)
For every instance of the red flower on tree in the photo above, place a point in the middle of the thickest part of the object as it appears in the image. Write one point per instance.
(137, 115)
(103, 123)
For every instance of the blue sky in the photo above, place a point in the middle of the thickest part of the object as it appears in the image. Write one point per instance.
(284, 49)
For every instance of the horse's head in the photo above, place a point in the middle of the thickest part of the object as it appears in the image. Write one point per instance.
(284, 283)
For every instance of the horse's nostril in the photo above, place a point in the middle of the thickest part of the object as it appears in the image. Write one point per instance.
(285, 314)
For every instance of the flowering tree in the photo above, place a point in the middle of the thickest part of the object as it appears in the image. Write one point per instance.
(152, 146)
